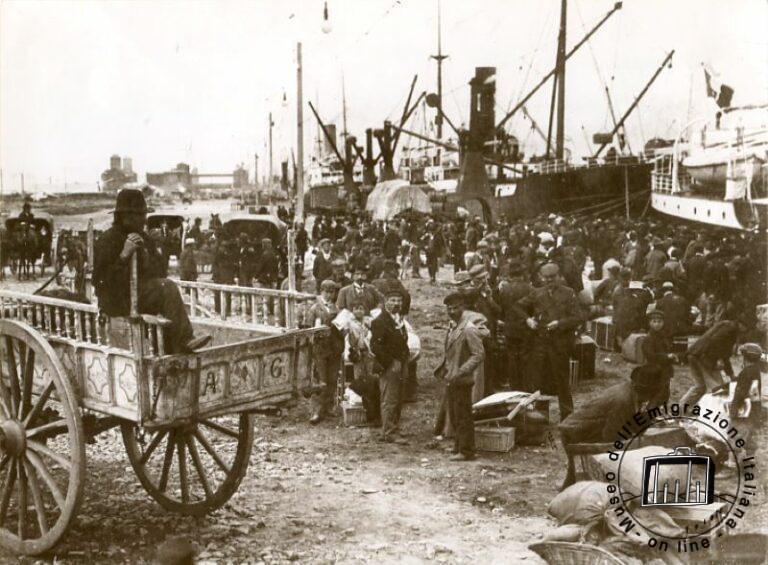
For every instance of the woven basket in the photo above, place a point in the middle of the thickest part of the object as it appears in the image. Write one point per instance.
(568, 553)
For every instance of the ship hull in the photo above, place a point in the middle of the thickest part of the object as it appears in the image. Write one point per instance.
(588, 190)
(734, 214)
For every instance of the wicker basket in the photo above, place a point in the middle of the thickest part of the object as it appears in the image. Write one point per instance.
(568, 553)
(489, 438)
(354, 414)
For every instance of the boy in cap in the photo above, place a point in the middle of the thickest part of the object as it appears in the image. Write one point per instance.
(157, 294)
(322, 313)
(656, 351)
(462, 357)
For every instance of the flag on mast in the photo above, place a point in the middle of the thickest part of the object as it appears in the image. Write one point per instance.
(721, 92)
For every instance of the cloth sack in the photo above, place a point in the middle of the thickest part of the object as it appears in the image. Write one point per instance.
(583, 503)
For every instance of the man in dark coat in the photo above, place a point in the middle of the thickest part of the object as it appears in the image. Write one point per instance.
(389, 278)
(267, 267)
(629, 306)
(518, 335)
(157, 295)
(480, 299)
(553, 312)
(322, 268)
(391, 244)
(389, 344)
(677, 311)
(716, 345)
(463, 355)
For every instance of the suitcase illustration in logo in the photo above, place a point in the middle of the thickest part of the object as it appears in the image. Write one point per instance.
(680, 478)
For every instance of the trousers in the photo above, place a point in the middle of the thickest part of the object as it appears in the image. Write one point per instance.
(390, 387)
(330, 367)
(460, 413)
(706, 376)
(161, 297)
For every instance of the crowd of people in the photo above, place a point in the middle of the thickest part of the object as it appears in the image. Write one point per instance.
(521, 293)
(524, 290)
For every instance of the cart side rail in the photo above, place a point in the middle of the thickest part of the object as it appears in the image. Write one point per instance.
(250, 305)
(79, 323)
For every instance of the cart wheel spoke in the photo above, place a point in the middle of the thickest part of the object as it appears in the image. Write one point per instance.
(221, 429)
(21, 483)
(48, 479)
(42, 478)
(218, 480)
(48, 452)
(211, 451)
(37, 497)
(152, 446)
(8, 484)
(13, 377)
(199, 466)
(167, 462)
(183, 476)
(39, 404)
(28, 377)
(55, 425)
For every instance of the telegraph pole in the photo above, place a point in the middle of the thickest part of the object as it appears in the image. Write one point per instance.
(271, 123)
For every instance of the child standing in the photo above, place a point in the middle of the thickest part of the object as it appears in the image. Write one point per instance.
(365, 382)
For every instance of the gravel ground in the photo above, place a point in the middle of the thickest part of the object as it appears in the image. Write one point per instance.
(330, 494)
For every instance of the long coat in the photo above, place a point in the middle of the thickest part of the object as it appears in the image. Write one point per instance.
(321, 269)
(463, 354)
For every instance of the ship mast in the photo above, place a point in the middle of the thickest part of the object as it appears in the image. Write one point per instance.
(560, 80)
(439, 58)
(344, 107)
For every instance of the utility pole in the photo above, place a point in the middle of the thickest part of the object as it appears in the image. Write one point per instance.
(255, 169)
(22, 184)
(299, 208)
(271, 177)
(439, 58)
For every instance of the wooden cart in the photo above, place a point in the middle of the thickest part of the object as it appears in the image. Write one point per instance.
(68, 373)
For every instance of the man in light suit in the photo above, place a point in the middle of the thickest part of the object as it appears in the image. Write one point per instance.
(359, 291)
(464, 354)
(389, 345)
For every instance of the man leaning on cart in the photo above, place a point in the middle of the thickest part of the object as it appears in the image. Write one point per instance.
(157, 294)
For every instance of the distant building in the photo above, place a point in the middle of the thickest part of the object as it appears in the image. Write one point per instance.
(118, 174)
(177, 176)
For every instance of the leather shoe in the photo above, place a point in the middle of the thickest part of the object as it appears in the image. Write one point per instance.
(198, 342)
(461, 457)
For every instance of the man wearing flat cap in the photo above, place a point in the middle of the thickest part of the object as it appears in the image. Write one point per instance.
(389, 345)
(481, 300)
(463, 356)
(156, 294)
(552, 312)
(518, 335)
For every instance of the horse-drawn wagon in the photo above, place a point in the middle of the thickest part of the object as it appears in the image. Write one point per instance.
(24, 242)
(67, 373)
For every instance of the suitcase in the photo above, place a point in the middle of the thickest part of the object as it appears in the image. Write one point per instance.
(585, 352)
(632, 348)
(603, 333)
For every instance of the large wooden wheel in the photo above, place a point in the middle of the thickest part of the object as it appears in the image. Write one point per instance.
(42, 449)
(195, 468)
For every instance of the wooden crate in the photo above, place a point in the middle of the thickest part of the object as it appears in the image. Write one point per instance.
(488, 438)
(585, 353)
(354, 414)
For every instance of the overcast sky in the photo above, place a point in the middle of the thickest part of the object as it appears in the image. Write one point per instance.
(169, 81)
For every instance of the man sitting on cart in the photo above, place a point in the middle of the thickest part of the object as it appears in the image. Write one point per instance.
(157, 295)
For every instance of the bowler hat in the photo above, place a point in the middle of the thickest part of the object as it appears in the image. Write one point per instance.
(131, 200)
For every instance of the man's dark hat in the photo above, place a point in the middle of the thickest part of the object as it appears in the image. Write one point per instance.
(392, 289)
(455, 297)
(131, 200)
